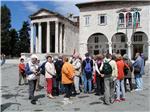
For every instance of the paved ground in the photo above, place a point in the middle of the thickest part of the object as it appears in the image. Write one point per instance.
(15, 98)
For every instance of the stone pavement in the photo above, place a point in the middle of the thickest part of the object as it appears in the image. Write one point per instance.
(15, 98)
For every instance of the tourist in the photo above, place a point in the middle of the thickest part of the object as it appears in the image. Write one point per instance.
(31, 71)
(50, 72)
(138, 71)
(99, 79)
(77, 66)
(67, 79)
(87, 67)
(120, 78)
(127, 72)
(58, 66)
(108, 71)
(22, 74)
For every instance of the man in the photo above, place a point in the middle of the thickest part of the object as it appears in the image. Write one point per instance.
(138, 71)
(77, 66)
(31, 71)
(109, 72)
(67, 79)
(58, 66)
(87, 67)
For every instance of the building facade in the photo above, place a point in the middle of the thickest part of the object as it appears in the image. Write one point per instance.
(53, 33)
(114, 27)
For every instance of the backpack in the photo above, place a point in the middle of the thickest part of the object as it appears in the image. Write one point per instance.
(107, 69)
(88, 68)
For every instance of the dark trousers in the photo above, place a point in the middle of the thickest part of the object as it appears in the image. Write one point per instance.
(32, 85)
(68, 90)
(130, 83)
(100, 85)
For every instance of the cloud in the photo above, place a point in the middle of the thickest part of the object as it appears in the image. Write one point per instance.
(30, 6)
(67, 6)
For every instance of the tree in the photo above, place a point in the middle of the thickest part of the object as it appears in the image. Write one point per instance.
(13, 42)
(24, 38)
(5, 29)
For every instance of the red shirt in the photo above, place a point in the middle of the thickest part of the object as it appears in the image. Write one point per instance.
(21, 67)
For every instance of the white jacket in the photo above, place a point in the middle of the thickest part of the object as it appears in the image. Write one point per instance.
(49, 70)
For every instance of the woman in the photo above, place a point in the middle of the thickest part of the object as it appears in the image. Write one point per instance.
(120, 78)
(31, 71)
(50, 72)
(128, 72)
(67, 78)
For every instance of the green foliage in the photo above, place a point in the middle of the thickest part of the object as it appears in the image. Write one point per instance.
(5, 29)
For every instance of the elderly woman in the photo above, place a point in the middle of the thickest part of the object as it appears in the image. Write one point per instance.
(67, 78)
(50, 72)
(31, 71)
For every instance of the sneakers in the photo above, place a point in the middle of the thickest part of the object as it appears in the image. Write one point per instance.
(33, 102)
(66, 101)
(117, 100)
(122, 99)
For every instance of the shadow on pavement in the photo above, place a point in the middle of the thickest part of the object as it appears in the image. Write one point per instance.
(6, 105)
(7, 96)
(94, 103)
(39, 96)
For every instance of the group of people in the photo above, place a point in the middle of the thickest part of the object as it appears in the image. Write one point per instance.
(103, 74)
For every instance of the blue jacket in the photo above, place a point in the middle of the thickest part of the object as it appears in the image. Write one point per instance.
(139, 62)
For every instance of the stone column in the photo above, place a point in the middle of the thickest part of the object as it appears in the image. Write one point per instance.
(110, 47)
(40, 38)
(37, 39)
(31, 39)
(56, 36)
(149, 51)
(48, 37)
(129, 49)
(61, 28)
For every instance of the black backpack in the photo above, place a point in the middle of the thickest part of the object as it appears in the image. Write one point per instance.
(107, 69)
(43, 68)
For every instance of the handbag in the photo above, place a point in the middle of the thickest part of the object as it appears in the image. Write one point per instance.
(137, 69)
(31, 77)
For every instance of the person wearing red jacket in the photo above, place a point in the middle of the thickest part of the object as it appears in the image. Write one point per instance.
(120, 78)
(21, 67)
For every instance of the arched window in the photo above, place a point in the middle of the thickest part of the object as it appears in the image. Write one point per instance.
(121, 18)
(136, 19)
(129, 19)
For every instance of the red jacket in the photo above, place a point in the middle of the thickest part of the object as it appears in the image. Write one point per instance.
(21, 67)
(120, 66)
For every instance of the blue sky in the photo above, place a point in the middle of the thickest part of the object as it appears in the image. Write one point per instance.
(21, 10)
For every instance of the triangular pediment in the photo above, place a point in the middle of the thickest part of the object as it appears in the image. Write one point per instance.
(43, 12)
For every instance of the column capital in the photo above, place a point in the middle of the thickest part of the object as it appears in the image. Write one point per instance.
(129, 44)
(110, 43)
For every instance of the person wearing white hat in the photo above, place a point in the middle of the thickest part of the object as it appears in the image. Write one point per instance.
(32, 72)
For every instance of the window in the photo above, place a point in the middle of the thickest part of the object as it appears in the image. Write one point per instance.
(102, 19)
(136, 19)
(96, 39)
(123, 39)
(138, 38)
(128, 19)
(121, 18)
(87, 20)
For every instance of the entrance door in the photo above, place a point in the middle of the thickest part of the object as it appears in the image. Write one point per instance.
(123, 51)
(137, 48)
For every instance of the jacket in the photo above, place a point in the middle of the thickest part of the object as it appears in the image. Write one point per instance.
(139, 62)
(49, 70)
(67, 73)
(77, 66)
(21, 67)
(120, 66)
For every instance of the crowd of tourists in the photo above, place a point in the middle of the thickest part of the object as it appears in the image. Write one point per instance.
(103, 75)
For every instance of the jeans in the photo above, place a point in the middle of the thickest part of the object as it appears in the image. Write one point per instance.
(139, 81)
(76, 83)
(89, 82)
(120, 85)
(32, 84)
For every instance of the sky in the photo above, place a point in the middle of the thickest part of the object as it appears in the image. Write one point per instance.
(21, 10)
